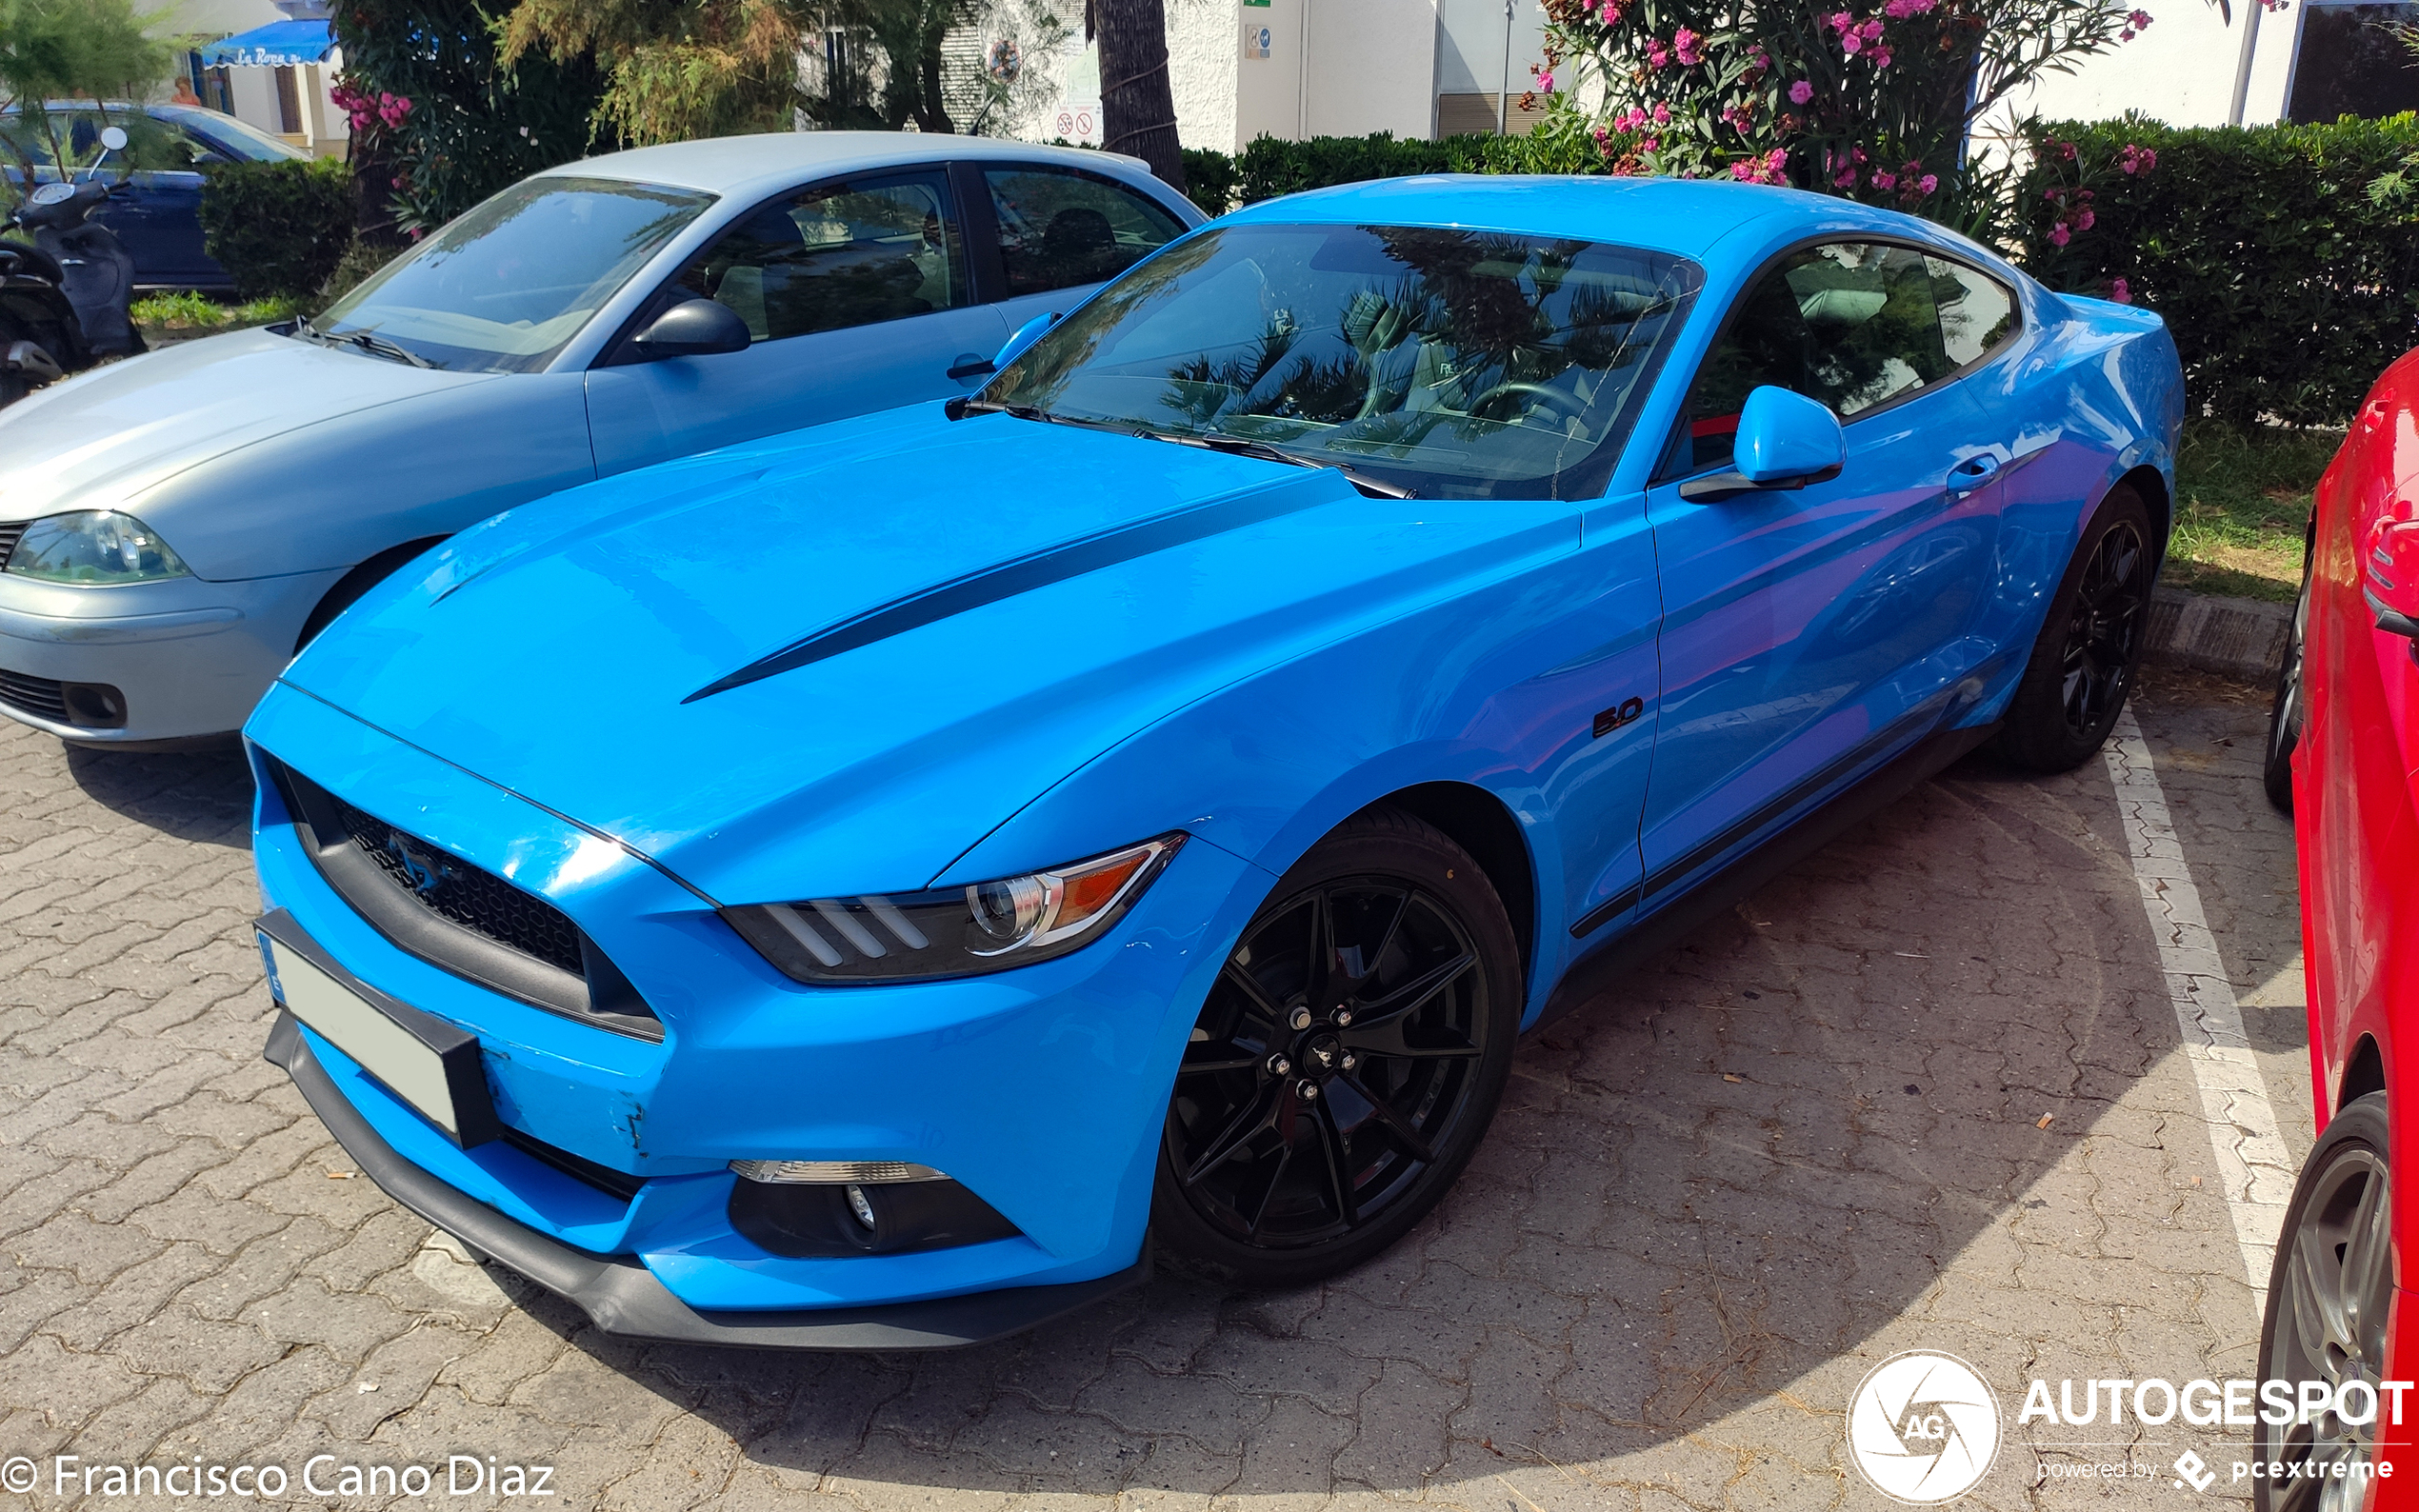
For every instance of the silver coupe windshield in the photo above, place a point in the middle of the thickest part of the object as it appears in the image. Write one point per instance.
(503, 287)
(1448, 362)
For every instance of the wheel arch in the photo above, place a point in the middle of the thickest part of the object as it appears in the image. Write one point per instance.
(367, 574)
(1478, 822)
(2149, 485)
(2364, 1073)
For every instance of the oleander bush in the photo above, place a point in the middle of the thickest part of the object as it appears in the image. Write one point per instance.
(2288, 285)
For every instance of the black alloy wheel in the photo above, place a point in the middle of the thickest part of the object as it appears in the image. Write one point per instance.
(2082, 664)
(1346, 1061)
(2285, 717)
(2327, 1300)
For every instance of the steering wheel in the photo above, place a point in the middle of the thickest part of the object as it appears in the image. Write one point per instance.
(1555, 398)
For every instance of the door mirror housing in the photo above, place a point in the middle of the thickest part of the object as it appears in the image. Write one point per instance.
(1024, 336)
(1785, 441)
(693, 328)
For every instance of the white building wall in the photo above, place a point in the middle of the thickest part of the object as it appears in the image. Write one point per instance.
(1204, 55)
(2182, 70)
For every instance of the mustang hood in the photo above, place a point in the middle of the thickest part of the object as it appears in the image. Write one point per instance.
(836, 660)
(104, 438)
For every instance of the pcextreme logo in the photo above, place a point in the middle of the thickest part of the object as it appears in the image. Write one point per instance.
(1922, 1428)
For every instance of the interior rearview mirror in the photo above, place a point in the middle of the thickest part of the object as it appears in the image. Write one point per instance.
(693, 328)
(1785, 441)
(1024, 336)
(2390, 577)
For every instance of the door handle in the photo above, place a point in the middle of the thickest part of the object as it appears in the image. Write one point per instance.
(970, 365)
(1973, 473)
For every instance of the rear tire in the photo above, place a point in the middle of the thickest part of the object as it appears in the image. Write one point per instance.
(1346, 1063)
(2285, 718)
(2082, 664)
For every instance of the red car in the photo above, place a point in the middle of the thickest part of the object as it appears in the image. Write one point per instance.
(2346, 736)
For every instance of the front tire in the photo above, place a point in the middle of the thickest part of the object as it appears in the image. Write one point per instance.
(2082, 664)
(2329, 1293)
(1346, 1063)
(2285, 718)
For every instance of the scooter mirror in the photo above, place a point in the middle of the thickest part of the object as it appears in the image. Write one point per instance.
(114, 137)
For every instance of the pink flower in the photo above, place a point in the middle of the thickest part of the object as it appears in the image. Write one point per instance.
(1852, 44)
(1871, 30)
(1684, 47)
(1648, 144)
(2065, 150)
(1842, 22)
(1656, 53)
(2083, 222)
(1884, 178)
(2120, 291)
(1880, 57)
(1545, 83)
(1801, 93)
(1929, 182)
(2059, 235)
(2141, 20)
(1662, 113)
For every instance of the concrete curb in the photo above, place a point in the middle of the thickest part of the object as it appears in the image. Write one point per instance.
(2239, 638)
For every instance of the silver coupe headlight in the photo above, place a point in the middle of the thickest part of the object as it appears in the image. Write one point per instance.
(94, 548)
(952, 931)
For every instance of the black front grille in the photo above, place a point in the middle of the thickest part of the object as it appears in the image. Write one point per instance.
(455, 889)
(38, 696)
(9, 531)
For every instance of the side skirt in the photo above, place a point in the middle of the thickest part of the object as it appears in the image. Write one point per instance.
(1613, 962)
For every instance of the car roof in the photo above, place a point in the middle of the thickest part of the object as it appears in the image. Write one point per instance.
(1684, 216)
(765, 162)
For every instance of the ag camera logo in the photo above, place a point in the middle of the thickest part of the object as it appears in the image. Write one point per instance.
(1922, 1428)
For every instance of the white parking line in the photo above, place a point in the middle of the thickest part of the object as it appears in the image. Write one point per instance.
(2253, 1167)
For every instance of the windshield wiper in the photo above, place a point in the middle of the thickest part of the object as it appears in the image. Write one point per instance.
(361, 341)
(380, 346)
(1246, 447)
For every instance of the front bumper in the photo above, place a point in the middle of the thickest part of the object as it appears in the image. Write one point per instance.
(187, 658)
(1042, 1092)
(623, 1297)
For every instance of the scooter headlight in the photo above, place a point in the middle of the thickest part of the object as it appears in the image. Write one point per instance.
(96, 549)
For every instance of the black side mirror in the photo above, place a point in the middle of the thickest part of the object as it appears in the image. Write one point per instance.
(693, 328)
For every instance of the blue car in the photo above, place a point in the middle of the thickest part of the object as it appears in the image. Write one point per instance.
(877, 885)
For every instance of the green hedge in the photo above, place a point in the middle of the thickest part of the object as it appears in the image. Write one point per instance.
(1209, 179)
(2288, 288)
(1271, 168)
(277, 227)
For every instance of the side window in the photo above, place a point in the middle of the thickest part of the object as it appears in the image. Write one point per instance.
(1852, 323)
(837, 255)
(1059, 227)
(1977, 311)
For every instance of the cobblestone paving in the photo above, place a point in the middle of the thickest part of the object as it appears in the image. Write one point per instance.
(1811, 1138)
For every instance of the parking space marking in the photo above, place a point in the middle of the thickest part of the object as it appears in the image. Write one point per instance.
(2253, 1166)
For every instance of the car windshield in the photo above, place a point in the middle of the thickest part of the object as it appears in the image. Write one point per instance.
(1450, 362)
(504, 287)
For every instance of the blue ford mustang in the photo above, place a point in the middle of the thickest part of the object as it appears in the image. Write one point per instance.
(865, 887)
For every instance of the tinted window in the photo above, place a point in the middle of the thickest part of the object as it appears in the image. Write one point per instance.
(838, 255)
(1456, 363)
(2353, 61)
(1059, 229)
(501, 288)
(1852, 323)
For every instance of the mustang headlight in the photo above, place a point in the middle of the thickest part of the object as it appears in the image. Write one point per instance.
(953, 931)
(93, 547)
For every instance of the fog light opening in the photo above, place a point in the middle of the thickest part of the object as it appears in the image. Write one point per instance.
(861, 1206)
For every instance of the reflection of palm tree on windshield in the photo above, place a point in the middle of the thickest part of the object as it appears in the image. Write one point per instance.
(1471, 338)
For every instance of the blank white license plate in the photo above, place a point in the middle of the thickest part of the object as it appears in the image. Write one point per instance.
(403, 1062)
